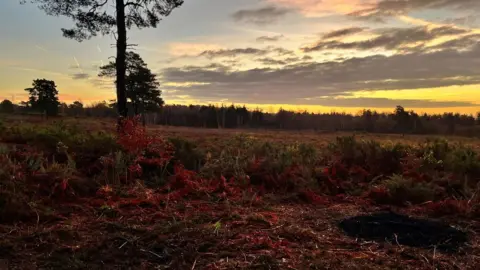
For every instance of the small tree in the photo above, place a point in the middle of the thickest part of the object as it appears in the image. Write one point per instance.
(402, 119)
(76, 108)
(43, 97)
(450, 120)
(92, 17)
(76, 105)
(7, 106)
(368, 120)
(141, 84)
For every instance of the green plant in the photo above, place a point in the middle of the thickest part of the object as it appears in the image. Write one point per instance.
(436, 148)
(232, 160)
(399, 190)
(187, 153)
(115, 167)
(463, 160)
(345, 146)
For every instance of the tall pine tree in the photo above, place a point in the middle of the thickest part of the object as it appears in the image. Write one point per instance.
(142, 87)
(93, 17)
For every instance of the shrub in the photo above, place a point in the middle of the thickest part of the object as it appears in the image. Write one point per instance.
(47, 137)
(233, 160)
(345, 147)
(451, 207)
(399, 190)
(437, 148)
(376, 158)
(187, 153)
(463, 160)
(141, 155)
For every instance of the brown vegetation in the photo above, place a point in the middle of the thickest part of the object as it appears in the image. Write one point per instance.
(74, 196)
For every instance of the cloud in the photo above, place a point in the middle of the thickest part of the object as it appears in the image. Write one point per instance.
(386, 8)
(223, 53)
(41, 48)
(462, 43)
(232, 52)
(213, 66)
(271, 61)
(314, 8)
(232, 63)
(35, 70)
(376, 10)
(80, 76)
(343, 32)
(102, 82)
(464, 20)
(389, 39)
(270, 38)
(294, 83)
(261, 16)
(281, 51)
(179, 49)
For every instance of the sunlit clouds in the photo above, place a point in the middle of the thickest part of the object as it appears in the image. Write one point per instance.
(341, 55)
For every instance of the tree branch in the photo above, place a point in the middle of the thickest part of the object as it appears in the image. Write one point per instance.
(94, 7)
(132, 4)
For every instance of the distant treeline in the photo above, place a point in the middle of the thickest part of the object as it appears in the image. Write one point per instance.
(398, 121)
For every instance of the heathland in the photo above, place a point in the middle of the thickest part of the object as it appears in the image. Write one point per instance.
(75, 194)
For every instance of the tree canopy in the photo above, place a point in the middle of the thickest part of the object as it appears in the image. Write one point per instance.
(6, 106)
(43, 97)
(142, 87)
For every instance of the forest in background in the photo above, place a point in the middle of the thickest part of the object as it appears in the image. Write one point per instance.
(203, 116)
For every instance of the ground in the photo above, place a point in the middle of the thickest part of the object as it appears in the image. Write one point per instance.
(280, 208)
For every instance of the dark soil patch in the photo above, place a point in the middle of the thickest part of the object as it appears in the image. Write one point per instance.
(404, 230)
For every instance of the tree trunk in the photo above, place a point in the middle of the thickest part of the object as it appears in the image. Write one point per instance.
(121, 58)
(144, 122)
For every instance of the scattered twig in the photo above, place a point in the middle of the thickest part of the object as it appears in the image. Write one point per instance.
(120, 247)
(151, 252)
(425, 258)
(194, 263)
(396, 240)
(274, 228)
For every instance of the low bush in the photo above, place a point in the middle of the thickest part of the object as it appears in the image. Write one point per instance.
(187, 153)
(47, 137)
(369, 155)
(398, 190)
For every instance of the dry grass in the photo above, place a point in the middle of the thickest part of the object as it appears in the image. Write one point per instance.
(128, 227)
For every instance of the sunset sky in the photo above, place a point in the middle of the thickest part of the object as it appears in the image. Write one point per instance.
(319, 55)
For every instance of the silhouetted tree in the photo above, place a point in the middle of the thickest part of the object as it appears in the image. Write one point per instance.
(7, 106)
(141, 84)
(63, 108)
(76, 108)
(257, 118)
(449, 119)
(368, 120)
(402, 119)
(43, 97)
(92, 17)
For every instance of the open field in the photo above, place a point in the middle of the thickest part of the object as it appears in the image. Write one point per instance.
(201, 135)
(73, 195)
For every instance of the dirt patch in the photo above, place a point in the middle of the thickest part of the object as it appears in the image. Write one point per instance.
(404, 230)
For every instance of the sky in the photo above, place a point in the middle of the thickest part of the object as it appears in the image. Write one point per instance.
(315, 55)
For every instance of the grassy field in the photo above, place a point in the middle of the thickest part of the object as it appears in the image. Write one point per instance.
(74, 195)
